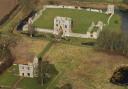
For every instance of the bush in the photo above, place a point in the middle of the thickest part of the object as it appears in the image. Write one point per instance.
(120, 76)
(7, 60)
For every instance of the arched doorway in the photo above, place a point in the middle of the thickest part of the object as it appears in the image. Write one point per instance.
(60, 31)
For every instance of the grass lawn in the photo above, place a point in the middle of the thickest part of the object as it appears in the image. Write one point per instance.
(8, 78)
(83, 67)
(29, 83)
(115, 23)
(81, 19)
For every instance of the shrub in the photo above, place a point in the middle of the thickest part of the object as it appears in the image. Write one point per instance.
(120, 76)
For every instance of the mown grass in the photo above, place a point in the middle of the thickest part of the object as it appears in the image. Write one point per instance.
(9, 77)
(84, 67)
(30, 83)
(115, 23)
(81, 19)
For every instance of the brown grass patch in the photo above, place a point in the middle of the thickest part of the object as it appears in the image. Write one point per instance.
(28, 48)
(84, 67)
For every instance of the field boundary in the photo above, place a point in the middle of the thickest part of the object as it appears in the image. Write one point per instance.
(48, 46)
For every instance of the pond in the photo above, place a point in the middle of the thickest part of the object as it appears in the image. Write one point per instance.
(124, 18)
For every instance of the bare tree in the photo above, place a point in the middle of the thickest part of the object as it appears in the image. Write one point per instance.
(6, 57)
(31, 30)
(7, 41)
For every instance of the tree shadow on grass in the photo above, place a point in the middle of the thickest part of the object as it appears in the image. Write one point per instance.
(47, 72)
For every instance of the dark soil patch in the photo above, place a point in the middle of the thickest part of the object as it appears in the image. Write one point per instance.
(88, 44)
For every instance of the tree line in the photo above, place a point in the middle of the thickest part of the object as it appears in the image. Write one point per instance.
(7, 42)
(113, 41)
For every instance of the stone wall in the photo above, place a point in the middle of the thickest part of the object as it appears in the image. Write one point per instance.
(93, 35)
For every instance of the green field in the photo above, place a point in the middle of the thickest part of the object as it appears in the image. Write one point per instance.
(81, 19)
(29, 83)
(8, 78)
